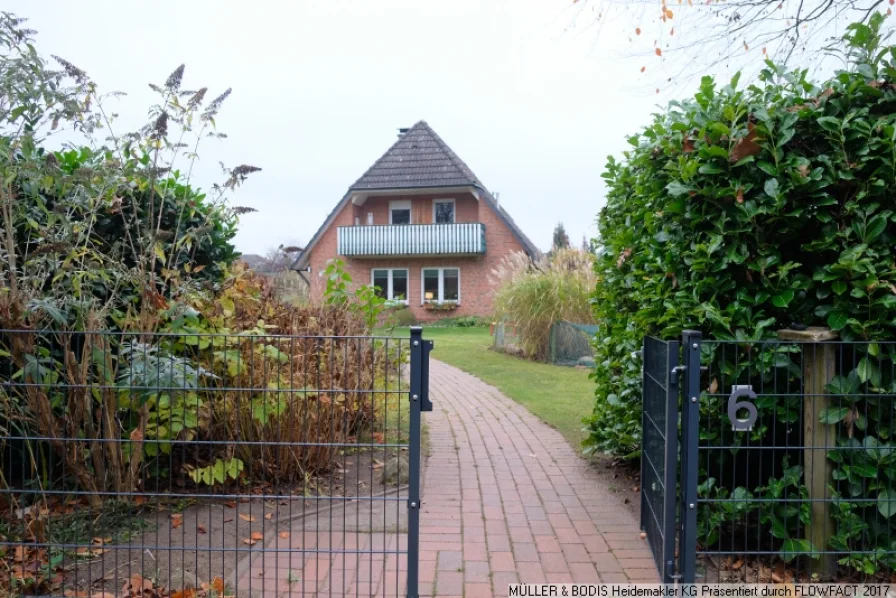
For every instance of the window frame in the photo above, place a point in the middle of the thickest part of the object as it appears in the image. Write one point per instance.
(389, 289)
(450, 200)
(401, 204)
(439, 300)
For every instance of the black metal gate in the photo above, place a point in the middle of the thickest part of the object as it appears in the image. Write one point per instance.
(185, 465)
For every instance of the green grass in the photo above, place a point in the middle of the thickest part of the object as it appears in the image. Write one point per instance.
(559, 396)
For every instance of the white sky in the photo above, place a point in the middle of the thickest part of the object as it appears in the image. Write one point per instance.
(321, 87)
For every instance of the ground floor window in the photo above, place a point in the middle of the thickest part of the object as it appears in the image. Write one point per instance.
(391, 284)
(441, 285)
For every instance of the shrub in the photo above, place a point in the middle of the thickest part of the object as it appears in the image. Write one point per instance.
(403, 317)
(461, 322)
(746, 210)
(534, 295)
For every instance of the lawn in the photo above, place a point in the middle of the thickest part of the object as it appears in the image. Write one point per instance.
(560, 396)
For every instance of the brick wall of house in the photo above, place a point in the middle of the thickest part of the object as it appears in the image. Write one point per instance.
(476, 294)
(466, 208)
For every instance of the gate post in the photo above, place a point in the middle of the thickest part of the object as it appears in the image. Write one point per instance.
(419, 394)
(690, 421)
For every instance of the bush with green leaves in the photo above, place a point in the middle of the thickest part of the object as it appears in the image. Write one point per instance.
(748, 209)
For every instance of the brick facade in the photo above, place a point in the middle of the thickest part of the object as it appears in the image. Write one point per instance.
(476, 294)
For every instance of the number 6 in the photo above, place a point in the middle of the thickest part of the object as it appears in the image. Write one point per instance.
(742, 425)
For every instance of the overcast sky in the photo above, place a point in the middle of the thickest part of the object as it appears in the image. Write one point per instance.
(320, 89)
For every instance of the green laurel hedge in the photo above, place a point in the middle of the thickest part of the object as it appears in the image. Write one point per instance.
(743, 210)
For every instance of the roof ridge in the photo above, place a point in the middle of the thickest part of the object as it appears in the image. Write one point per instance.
(455, 159)
(391, 147)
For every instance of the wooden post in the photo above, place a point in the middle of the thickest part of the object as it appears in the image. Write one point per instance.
(819, 368)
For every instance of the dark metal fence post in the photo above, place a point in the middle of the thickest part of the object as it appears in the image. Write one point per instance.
(419, 384)
(690, 420)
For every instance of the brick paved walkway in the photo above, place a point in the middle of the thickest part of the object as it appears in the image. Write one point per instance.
(505, 500)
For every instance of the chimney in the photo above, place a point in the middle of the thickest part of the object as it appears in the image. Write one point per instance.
(403, 130)
(497, 198)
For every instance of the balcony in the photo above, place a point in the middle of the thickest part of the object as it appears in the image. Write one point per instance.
(411, 240)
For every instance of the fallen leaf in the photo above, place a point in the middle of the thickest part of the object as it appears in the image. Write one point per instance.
(231, 504)
(188, 593)
(284, 535)
(257, 536)
(714, 385)
(643, 68)
(638, 31)
(658, 52)
(669, 14)
(268, 516)
(246, 517)
(103, 595)
(737, 565)
(177, 520)
(249, 541)
(217, 585)
(228, 520)
(201, 528)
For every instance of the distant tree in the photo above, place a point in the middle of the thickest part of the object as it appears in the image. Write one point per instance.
(586, 246)
(277, 259)
(561, 239)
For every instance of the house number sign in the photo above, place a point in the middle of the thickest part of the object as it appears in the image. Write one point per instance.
(742, 397)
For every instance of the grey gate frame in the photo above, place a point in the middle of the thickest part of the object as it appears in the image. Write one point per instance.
(659, 458)
(419, 397)
(670, 374)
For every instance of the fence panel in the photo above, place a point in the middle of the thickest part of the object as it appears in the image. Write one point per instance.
(200, 465)
(659, 455)
(795, 462)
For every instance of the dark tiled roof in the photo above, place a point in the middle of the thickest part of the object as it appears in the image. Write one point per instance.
(418, 159)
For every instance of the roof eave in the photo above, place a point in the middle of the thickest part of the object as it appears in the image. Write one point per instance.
(359, 194)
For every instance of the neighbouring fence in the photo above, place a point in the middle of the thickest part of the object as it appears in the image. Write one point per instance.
(785, 458)
(572, 343)
(209, 464)
(505, 338)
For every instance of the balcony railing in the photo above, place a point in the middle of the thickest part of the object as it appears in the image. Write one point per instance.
(411, 239)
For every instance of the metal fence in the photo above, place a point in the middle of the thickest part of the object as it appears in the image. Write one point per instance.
(787, 460)
(210, 465)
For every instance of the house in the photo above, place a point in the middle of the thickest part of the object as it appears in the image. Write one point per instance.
(421, 227)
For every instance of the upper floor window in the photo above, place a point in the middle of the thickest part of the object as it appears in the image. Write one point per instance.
(443, 211)
(400, 211)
